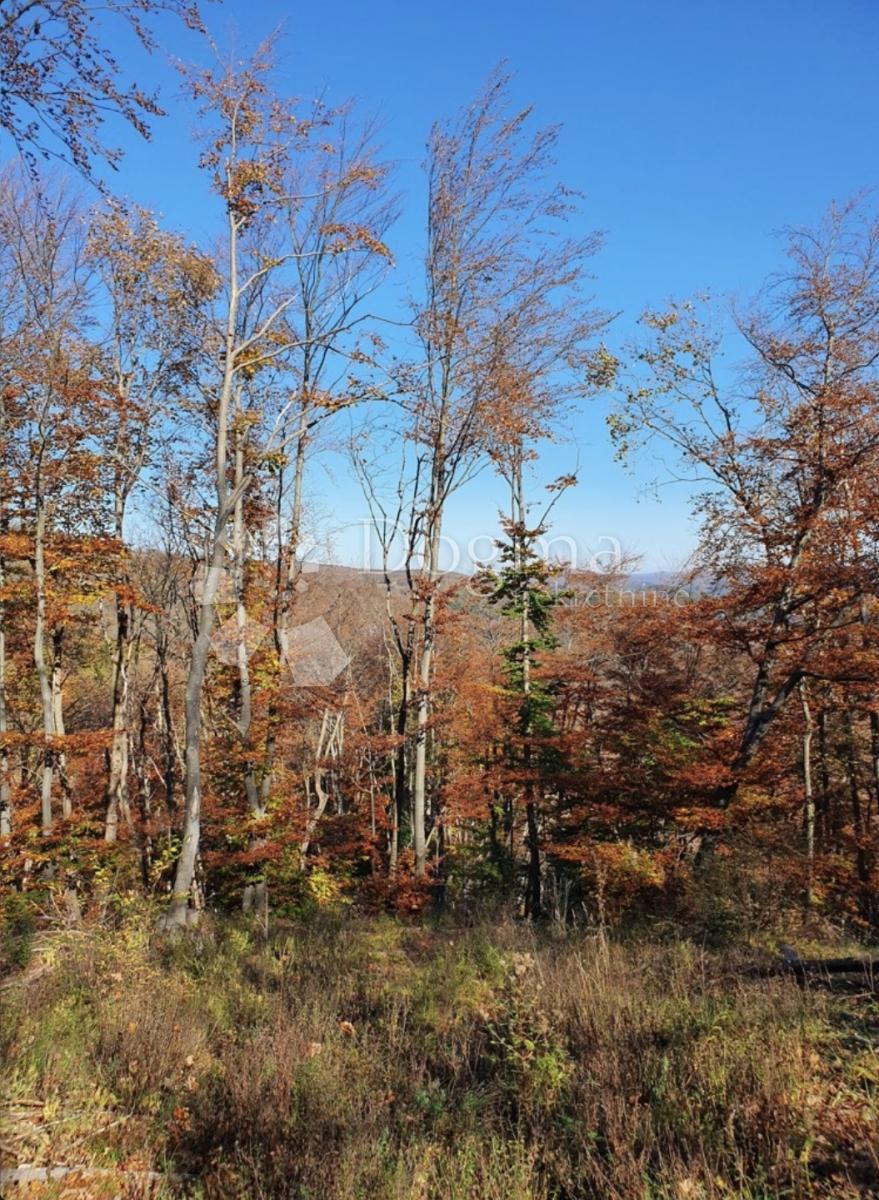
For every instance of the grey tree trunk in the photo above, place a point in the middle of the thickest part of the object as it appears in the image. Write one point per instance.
(5, 782)
(808, 793)
(533, 891)
(5, 766)
(166, 721)
(255, 894)
(181, 911)
(58, 717)
(140, 762)
(422, 716)
(245, 690)
(43, 670)
(433, 534)
(862, 857)
(329, 745)
(825, 813)
(401, 758)
(117, 794)
(285, 586)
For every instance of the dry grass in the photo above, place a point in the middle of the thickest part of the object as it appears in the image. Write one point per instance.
(356, 1059)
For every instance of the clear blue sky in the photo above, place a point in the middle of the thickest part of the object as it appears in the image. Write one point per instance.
(696, 128)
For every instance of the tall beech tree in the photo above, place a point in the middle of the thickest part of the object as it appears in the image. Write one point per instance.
(154, 286)
(49, 386)
(251, 153)
(245, 154)
(498, 267)
(336, 224)
(778, 448)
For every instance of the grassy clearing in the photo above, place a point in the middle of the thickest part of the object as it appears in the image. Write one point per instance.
(352, 1059)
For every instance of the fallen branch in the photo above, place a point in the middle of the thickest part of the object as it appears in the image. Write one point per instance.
(792, 964)
(834, 966)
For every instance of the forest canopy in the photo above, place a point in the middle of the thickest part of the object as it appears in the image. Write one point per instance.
(215, 719)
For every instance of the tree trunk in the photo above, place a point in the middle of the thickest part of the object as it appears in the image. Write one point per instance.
(245, 690)
(329, 746)
(117, 797)
(808, 795)
(58, 719)
(874, 753)
(533, 896)
(166, 722)
(400, 800)
(179, 912)
(825, 808)
(862, 856)
(286, 570)
(140, 757)
(5, 781)
(425, 661)
(116, 800)
(43, 672)
(422, 716)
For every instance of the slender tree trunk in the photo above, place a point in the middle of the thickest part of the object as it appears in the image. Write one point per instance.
(329, 746)
(825, 813)
(290, 564)
(140, 761)
(286, 570)
(808, 795)
(425, 666)
(422, 716)
(179, 912)
(862, 861)
(533, 891)
(166, 722)
(43, 671)
(5, 781)
(245, 690)
(400, 709)
(58, 717)
(432, 543)
(533, 894)
(116, 799)
(400, 800)
(874, 753)
(287, 567)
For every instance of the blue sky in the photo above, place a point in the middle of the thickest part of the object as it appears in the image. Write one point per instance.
(696, 129)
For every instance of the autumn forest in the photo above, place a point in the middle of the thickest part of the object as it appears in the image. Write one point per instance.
(396, 878)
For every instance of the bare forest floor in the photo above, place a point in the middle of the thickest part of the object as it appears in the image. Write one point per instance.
(363, 1057)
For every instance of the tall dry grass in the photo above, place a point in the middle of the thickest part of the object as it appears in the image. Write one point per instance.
(352, 1059)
